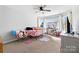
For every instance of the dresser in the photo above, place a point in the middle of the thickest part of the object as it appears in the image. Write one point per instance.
(69, 43)
(1, 45)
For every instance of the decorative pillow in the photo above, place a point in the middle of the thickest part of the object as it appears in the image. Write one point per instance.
(13, 33)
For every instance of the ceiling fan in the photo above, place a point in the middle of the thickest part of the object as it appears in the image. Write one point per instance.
(42, 8)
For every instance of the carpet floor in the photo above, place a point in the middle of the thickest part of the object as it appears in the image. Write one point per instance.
(36, 46)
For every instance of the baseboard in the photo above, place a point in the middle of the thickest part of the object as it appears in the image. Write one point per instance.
(8, 41)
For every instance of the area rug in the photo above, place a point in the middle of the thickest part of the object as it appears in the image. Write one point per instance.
(29, 41)
(44, 39)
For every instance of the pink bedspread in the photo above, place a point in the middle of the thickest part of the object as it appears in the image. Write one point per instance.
(25, 33)
(34, 32)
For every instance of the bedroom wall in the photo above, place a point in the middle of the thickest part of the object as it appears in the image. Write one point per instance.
(15, 18)
(75, 17)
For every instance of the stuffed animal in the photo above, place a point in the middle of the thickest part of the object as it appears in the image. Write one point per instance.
(20, 34)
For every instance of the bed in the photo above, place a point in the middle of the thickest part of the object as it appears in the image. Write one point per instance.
(33, 32)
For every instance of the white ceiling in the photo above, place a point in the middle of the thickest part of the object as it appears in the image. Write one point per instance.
(56, 9)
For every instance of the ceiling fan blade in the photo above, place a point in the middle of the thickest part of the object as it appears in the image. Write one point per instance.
(47, 10)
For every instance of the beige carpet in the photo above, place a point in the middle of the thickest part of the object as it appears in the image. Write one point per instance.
(37, 46)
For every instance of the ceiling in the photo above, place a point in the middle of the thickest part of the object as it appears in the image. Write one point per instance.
(56, 9)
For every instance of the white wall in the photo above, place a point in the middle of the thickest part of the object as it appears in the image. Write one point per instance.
(15, 19)
(75, 17)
